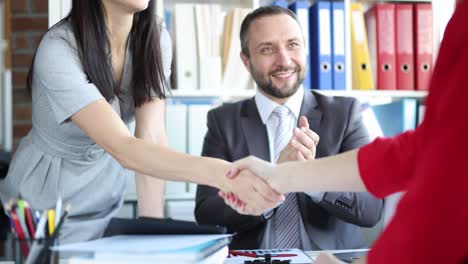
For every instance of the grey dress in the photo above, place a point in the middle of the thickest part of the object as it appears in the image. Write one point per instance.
(56, 158)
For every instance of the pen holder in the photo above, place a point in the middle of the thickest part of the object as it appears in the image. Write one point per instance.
(31, 251)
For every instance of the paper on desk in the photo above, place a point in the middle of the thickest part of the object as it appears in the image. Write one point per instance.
(140, 244)
(300, 258)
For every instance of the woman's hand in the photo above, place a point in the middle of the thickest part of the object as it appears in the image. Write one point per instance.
(249, 194)
(264, 172)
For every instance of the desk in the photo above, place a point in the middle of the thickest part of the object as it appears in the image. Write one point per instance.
(313, 254)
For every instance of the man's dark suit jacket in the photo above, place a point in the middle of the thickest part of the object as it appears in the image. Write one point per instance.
(236, 131)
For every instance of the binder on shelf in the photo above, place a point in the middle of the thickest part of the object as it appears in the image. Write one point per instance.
(397, 117)
(370, 121)
(197, 119)
(186, 55)
(180, 210)
(282, 3)
(301, 9)
(176, 127)
(404, 46)
(380, 22)
(235, 75)
(361, 65)
(423, 39)
(421, 112)
(320, 45)
(338, 44)
(208, 46)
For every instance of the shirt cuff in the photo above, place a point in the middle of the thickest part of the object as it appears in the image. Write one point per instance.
(267, 215)
(316, 196)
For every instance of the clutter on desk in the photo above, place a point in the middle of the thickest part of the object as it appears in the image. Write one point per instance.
(267, 256)
(158, 226)
(35, 230)
(181, 249)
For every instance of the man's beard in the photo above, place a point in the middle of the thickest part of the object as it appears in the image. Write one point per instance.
(266, 85)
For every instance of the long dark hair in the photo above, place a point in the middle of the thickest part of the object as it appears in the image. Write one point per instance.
(87, 19)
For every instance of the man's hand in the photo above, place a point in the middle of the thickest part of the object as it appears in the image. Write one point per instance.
(302, 145)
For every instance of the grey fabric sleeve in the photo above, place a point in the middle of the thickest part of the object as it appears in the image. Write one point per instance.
(58, 70)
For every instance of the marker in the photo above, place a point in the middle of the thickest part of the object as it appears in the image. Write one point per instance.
(51, 221)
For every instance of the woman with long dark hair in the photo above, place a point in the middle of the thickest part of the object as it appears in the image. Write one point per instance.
(104, 65)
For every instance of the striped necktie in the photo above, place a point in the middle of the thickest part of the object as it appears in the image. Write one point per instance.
(286, 220)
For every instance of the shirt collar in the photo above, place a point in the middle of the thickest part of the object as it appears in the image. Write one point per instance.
(266, 106)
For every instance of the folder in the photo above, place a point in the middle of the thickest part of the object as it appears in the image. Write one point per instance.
(158, 226)
(421, 112)
(186, 47)
(197, 119)
(338, 44)
(397, 117)
(181, 210)
(148, 248)
(282, 3)
(362, 72)
(208, 49)
(320, 45)
(235, 75)
(176, 127)
(301, 9)
(380, 22)
(423, 39)
(404, 46)
(371, 123)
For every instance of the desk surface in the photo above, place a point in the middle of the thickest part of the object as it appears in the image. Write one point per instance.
(313, 254)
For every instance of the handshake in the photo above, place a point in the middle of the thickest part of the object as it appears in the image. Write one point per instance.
(253, 186)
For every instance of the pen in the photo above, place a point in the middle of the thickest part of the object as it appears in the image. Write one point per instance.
(8, 213)
(51, 221)
(281, 255)
(19, 233)
(29, 220)
(60, 222)
(22, 222)
(20, 204)
(41, 226)
(236, 253)
(58, 210)
(41, 258)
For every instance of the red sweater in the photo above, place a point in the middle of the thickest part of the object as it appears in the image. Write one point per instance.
(430, 164)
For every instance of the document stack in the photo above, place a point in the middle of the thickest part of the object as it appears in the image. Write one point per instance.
(142, 249)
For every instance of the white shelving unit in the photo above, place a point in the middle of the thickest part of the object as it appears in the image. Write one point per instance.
(352, 93)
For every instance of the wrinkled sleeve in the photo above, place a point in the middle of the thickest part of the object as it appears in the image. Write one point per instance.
(386, 165)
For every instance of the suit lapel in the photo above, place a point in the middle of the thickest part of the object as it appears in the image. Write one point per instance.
(309, 109)
(254, 131)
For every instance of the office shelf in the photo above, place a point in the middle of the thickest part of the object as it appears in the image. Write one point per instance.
(241, 94)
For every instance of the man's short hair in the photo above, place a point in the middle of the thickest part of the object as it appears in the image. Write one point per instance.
(256, 14)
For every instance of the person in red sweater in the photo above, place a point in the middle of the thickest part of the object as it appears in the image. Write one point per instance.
(431, 222)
